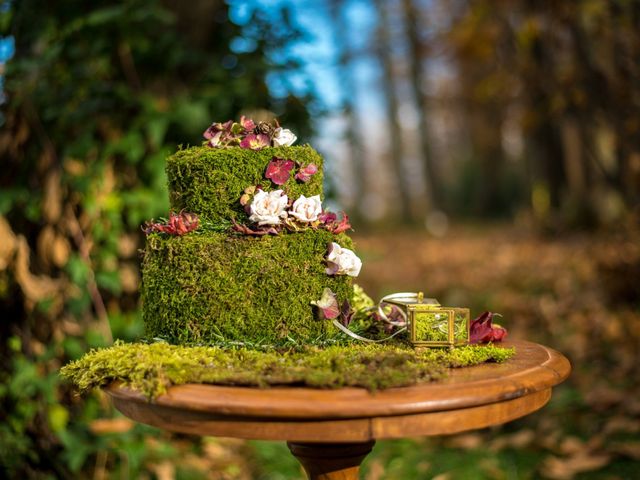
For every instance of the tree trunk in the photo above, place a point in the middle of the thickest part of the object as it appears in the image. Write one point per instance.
(394, 132)
(418, 82)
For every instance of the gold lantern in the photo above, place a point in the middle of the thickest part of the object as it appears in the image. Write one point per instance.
(429, 323)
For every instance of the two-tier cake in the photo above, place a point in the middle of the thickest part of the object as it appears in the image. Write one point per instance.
(260, 249)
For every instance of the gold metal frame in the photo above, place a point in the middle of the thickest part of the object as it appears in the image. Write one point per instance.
(414, 308)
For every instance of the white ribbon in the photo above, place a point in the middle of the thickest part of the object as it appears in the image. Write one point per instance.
(403, 297)
(364, 339)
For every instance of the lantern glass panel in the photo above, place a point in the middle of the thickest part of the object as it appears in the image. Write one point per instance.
(461, 325)
(431, 326)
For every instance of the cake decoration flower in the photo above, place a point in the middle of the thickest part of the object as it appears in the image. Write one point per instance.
(255, 142)
(342, 261)
(305, 209)
(247, 134)
(283, 137)
(268, 208)
(178, 224)
(305, 173)
(327, 305)
(278, 170)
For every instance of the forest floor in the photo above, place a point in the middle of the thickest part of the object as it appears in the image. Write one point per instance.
(578, 293)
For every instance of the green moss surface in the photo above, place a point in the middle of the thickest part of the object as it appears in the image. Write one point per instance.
(152, 368)
(210, 181)
(211, 287)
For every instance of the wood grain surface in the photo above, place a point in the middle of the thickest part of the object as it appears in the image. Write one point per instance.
(470, 398)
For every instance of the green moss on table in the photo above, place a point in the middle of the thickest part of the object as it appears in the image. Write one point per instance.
(211, 287)
(152, 368)
(210, 181)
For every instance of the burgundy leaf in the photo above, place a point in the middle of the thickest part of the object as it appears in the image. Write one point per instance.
(346, 313)
(278, 170)
(178, 224)
(481, 330)
(327, 217)
(256, 232)
(331, 222)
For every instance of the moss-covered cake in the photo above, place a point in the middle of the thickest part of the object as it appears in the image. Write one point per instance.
(247, 265)
(249, 282)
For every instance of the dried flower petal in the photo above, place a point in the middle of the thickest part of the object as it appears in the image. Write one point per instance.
(305, 173)
(482, 331)
(328, 305)
(178, 224)
(278, 170)
(256, 232)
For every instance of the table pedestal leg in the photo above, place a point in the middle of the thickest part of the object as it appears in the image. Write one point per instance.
(331, 461)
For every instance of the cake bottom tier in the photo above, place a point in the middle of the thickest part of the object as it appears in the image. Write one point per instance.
(212, 287)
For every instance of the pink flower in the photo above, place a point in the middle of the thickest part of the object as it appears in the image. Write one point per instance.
(247, 123)
(255, 142)
(305, 173)
(278, 170)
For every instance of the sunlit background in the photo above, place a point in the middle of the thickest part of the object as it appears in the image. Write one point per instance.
(487, 152)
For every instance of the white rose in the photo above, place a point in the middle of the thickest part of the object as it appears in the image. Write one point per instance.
(346, 262)
(306, 209)
(268, 208)
(283, 137)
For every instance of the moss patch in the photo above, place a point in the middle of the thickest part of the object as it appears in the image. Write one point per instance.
(152, 368)
(210, 181)
(212, 287)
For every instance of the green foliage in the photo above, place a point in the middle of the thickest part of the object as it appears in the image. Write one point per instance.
(215, 287)
(151, 368)
(210, 181)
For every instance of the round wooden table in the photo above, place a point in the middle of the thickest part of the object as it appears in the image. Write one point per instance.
(331, 431)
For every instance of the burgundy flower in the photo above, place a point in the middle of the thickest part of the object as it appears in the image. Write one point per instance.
(278, 170)
(305, 173)
(481, 330)
(255, 142)
(178, 224)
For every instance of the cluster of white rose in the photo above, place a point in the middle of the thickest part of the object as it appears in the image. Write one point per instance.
(270, 208)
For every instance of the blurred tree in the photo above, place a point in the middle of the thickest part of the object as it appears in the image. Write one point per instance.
(349, 98)
(384, 44)
(418, 52)
(98, 94)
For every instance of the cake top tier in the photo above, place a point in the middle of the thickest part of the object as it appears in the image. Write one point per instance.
(210, 180)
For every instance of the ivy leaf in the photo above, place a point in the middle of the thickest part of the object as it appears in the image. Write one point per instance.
(278, 170)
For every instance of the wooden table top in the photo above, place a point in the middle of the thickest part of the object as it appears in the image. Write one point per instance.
(470, 398)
